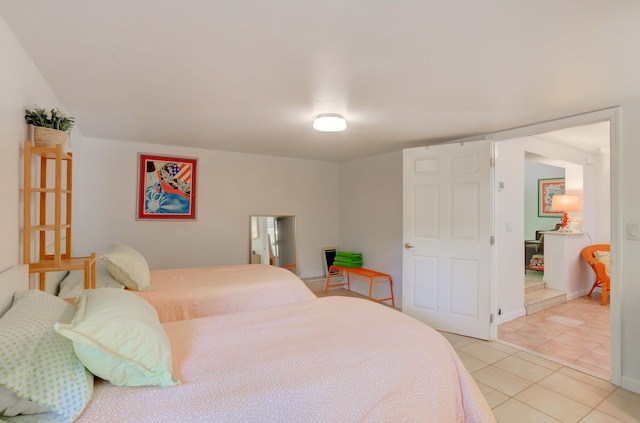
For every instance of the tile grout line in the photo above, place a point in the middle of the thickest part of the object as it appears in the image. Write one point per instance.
(554, 360)
(513, 397)
(586, 312)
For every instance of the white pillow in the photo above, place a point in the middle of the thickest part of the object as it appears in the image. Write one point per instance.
(128, 267)
(38, 367)
(118, 337)
(605, 258)
(73, 284)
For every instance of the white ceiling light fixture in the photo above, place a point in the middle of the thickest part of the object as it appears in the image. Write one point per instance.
(329, 122)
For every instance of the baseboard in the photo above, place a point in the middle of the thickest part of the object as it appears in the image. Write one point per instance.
(512, 315)
(631, 384)
(313, 279)
(578, 294)
(318, 283)
(316, 279)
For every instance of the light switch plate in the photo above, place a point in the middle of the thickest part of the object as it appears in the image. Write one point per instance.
(633, 231)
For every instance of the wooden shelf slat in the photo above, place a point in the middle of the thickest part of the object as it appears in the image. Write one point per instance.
(48, 265)
(50, 153)
(41, 228)
(50, 190)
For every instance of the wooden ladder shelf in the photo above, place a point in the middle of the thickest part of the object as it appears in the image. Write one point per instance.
(57, 222)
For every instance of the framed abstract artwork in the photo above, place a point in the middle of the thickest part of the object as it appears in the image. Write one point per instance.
(166, 187)
(547, 188)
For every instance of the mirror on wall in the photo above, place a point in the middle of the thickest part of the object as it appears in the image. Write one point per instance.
(273, 241)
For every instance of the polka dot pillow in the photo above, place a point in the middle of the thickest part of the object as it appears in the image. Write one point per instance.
(38, 366)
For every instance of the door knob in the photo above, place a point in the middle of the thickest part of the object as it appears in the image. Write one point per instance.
(408, 246)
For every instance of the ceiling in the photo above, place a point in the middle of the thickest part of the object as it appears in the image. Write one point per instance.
(250, 75)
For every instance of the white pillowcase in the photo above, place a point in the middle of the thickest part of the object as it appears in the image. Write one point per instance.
(118, 337)
(73, 284)
(605, 258)
(128, 267)
(12, 405)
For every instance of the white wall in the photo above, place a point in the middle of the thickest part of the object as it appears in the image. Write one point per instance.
(371, 217)
(625, 285)
(509, 210)
(230, 188)
(602, 200)
(21, 86)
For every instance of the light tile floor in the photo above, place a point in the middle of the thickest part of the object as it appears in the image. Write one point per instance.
(521, 387)
(576, 333)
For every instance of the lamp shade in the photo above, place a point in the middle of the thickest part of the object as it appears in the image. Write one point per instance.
(565, 203)
(329, 122)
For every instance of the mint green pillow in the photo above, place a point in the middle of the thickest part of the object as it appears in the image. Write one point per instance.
(38, 368)
(128, 267)
(118, 337)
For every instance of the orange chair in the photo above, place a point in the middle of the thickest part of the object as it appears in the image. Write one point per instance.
(602, 278)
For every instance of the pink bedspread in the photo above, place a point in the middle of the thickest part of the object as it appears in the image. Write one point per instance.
(333, 359)
(188, 293)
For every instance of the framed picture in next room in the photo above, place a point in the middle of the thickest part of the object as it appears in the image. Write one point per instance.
(166, 187)
(547, 188)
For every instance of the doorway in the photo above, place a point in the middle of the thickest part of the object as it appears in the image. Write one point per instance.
(575, 332)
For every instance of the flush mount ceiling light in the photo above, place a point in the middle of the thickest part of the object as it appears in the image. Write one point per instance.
(329, 122)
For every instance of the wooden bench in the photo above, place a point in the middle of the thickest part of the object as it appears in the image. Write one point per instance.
(372, 275)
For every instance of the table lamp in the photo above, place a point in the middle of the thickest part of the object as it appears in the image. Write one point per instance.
(565, 203)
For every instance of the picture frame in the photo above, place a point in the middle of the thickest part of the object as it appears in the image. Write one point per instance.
(166, 187)
(547, 188)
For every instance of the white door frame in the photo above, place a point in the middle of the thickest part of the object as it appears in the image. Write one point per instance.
(613, 116)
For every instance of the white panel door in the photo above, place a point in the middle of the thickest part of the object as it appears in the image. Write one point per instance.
(447, 229)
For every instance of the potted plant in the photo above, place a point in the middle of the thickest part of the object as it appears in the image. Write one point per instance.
(49, 128)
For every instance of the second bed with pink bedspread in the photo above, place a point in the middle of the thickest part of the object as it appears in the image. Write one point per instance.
(181, 294)
(187, 293)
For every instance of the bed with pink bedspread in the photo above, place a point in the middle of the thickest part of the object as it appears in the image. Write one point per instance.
(181, 294)
(187, 293)
(331, 359)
